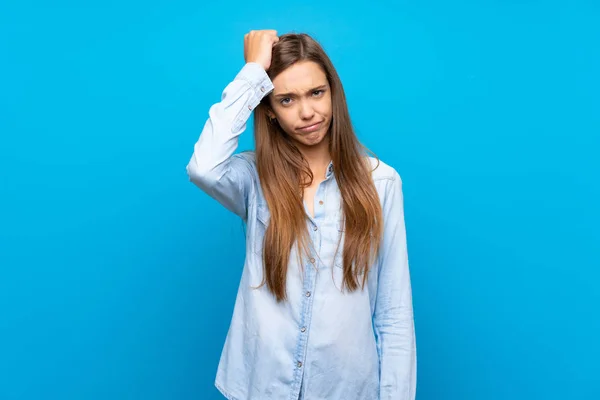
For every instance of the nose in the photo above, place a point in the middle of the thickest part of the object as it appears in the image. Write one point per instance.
(306, 110)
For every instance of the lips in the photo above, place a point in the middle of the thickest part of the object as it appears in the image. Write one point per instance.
(311, 128)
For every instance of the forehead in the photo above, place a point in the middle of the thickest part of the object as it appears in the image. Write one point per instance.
(299, 77)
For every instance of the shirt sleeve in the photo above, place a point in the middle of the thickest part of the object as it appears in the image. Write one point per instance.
(213, 166)
(393, 319)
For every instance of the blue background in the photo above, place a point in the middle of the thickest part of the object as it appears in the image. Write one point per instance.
(118, 276)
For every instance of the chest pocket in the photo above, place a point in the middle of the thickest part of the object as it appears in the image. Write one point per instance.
(339, 257)
(338, 260)
(262, 221)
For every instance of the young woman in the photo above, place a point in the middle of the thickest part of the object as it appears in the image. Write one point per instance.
(324, 308)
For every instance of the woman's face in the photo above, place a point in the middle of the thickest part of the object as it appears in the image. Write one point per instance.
(301, 98)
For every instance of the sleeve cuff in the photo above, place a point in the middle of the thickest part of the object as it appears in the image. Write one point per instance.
(257, 77)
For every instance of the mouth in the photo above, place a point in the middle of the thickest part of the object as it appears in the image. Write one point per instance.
(311, 128)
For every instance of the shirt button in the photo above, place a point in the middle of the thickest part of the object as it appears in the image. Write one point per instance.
(315, 228)
(307, 294)
(262, 89)
(303, 329)
(249, 107)
(321, 202)
(299, 364)
(312, 260)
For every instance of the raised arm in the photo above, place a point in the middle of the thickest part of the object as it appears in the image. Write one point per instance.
(213, 166)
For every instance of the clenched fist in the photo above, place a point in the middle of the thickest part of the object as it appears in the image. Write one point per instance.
(258, 46)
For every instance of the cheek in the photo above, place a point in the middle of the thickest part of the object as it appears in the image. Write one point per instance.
(285, 119)
(325, 108)
(326, 111)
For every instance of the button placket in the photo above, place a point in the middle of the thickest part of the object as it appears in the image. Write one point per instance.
(307, 301)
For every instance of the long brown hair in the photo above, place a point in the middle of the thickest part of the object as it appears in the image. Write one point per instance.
(284, 172)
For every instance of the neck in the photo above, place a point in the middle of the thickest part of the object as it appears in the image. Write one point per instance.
(318, 158)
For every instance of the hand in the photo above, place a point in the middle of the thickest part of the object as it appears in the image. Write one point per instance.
(258, 46)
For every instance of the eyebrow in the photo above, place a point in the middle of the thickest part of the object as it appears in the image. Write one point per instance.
(280, 95)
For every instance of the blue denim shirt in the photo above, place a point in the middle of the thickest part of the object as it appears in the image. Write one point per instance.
(321, 344)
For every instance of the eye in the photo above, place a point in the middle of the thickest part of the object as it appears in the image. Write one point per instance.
(282, 101)
(319, 91)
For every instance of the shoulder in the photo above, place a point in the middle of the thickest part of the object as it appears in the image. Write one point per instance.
(244, 163)
(248, 156)
(383, 171)
(388, 184)
(246, 160)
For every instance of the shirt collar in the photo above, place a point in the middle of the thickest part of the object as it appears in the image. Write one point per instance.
(329, 169)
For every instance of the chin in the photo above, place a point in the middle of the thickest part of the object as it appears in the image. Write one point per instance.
(308, 142)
